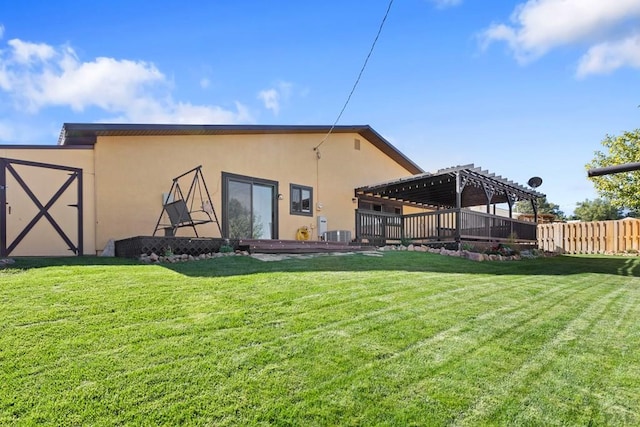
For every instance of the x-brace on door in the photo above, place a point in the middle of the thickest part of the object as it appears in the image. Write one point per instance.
(43, 207)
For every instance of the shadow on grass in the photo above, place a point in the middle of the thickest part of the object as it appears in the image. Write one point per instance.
(401, 261)
(417, 262)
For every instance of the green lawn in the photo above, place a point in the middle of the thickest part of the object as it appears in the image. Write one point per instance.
(403, 339)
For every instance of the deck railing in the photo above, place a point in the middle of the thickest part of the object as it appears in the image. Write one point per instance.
(441, 225)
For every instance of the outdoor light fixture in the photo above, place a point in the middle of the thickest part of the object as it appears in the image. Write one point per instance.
(280, 196)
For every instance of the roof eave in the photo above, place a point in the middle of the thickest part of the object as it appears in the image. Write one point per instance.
(87, 133)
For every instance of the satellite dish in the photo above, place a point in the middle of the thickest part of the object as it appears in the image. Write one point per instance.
(535, 182)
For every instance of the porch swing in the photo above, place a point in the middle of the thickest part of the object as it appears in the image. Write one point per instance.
(191, 210)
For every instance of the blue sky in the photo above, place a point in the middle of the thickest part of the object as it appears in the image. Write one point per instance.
(520, 88)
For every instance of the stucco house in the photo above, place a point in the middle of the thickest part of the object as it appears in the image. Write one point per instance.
(114, 181)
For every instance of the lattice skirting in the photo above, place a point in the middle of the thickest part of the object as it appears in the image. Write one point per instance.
(133, 247)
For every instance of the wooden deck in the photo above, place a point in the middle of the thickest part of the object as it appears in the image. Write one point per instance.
(298, 246)
(135, 246)
(446, 225)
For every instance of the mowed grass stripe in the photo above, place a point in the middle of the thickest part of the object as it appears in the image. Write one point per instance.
(581, 319)
(320, 342)
(170, 328)
(171, 332)
(446, 349)
(594, 375)
(466, 373)
(372, 351)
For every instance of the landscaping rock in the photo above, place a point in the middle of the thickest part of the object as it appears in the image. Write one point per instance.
(110, 249)
(475, 256)
(172, 259)
(4, 262)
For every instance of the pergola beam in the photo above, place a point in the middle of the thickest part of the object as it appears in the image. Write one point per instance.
(461, 186)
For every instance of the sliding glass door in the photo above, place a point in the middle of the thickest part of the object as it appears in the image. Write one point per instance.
(249, 207)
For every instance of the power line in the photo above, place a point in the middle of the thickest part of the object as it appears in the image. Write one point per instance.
(344, 107)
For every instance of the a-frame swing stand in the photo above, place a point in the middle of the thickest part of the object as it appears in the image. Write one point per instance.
(191, 210)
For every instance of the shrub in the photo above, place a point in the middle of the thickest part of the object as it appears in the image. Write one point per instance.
(501, 249)
(225, 249)
(405, 241)
(468, 247)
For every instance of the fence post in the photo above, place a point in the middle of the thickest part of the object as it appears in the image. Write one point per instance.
(615, 229)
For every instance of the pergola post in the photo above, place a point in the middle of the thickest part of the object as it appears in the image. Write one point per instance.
(511, 200)
(489, 192)
(459, 188)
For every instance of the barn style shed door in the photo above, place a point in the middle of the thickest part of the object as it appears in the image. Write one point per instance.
(41, 208)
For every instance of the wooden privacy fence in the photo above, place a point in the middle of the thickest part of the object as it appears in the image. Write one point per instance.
(590, 237)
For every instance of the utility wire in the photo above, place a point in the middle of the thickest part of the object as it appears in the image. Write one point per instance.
(344, 107)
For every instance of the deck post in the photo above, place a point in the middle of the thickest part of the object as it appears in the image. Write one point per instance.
(534, 205)
(458, 207)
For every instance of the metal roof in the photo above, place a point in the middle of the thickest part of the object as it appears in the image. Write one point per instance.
(87, 134)
(439, 189)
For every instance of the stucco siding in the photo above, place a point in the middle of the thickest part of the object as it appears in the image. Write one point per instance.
(133, 172)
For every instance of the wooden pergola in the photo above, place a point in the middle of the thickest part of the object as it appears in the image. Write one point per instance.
(447, 196)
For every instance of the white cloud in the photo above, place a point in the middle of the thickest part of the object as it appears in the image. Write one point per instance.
(1, 31)
(273, 97)
(271, 100)
(182, 113)
(443, 4)
(37, 76)
(538, 26)
(608, 56)
(30, 53)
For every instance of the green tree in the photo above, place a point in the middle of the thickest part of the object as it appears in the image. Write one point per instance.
(544, 207)
(622, 189)
(596, 210)
(241, 225)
